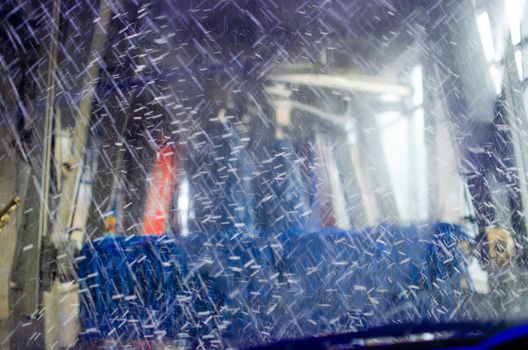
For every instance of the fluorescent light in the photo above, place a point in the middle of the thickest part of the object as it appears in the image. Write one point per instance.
(514, 11)
(484, 28)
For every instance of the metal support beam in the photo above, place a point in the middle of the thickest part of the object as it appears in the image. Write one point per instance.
(60, 236)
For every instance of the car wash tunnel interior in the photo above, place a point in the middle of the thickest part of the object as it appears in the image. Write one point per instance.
(229, 174)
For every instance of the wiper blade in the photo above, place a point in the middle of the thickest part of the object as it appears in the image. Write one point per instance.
(457, 330)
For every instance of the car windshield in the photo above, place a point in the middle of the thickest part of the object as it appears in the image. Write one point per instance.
(224, 173)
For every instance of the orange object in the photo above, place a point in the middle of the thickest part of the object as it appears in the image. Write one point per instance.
(160, 192)
(111, 224)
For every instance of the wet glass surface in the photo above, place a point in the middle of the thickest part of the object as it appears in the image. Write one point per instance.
(232, 173)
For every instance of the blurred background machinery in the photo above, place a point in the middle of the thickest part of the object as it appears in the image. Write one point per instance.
(136, 118)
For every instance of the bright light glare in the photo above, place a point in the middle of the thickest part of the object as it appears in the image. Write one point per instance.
(484, 28)
(417, 85)
(514, 11)
(390, 98)
(183, 205)
(395, 147)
